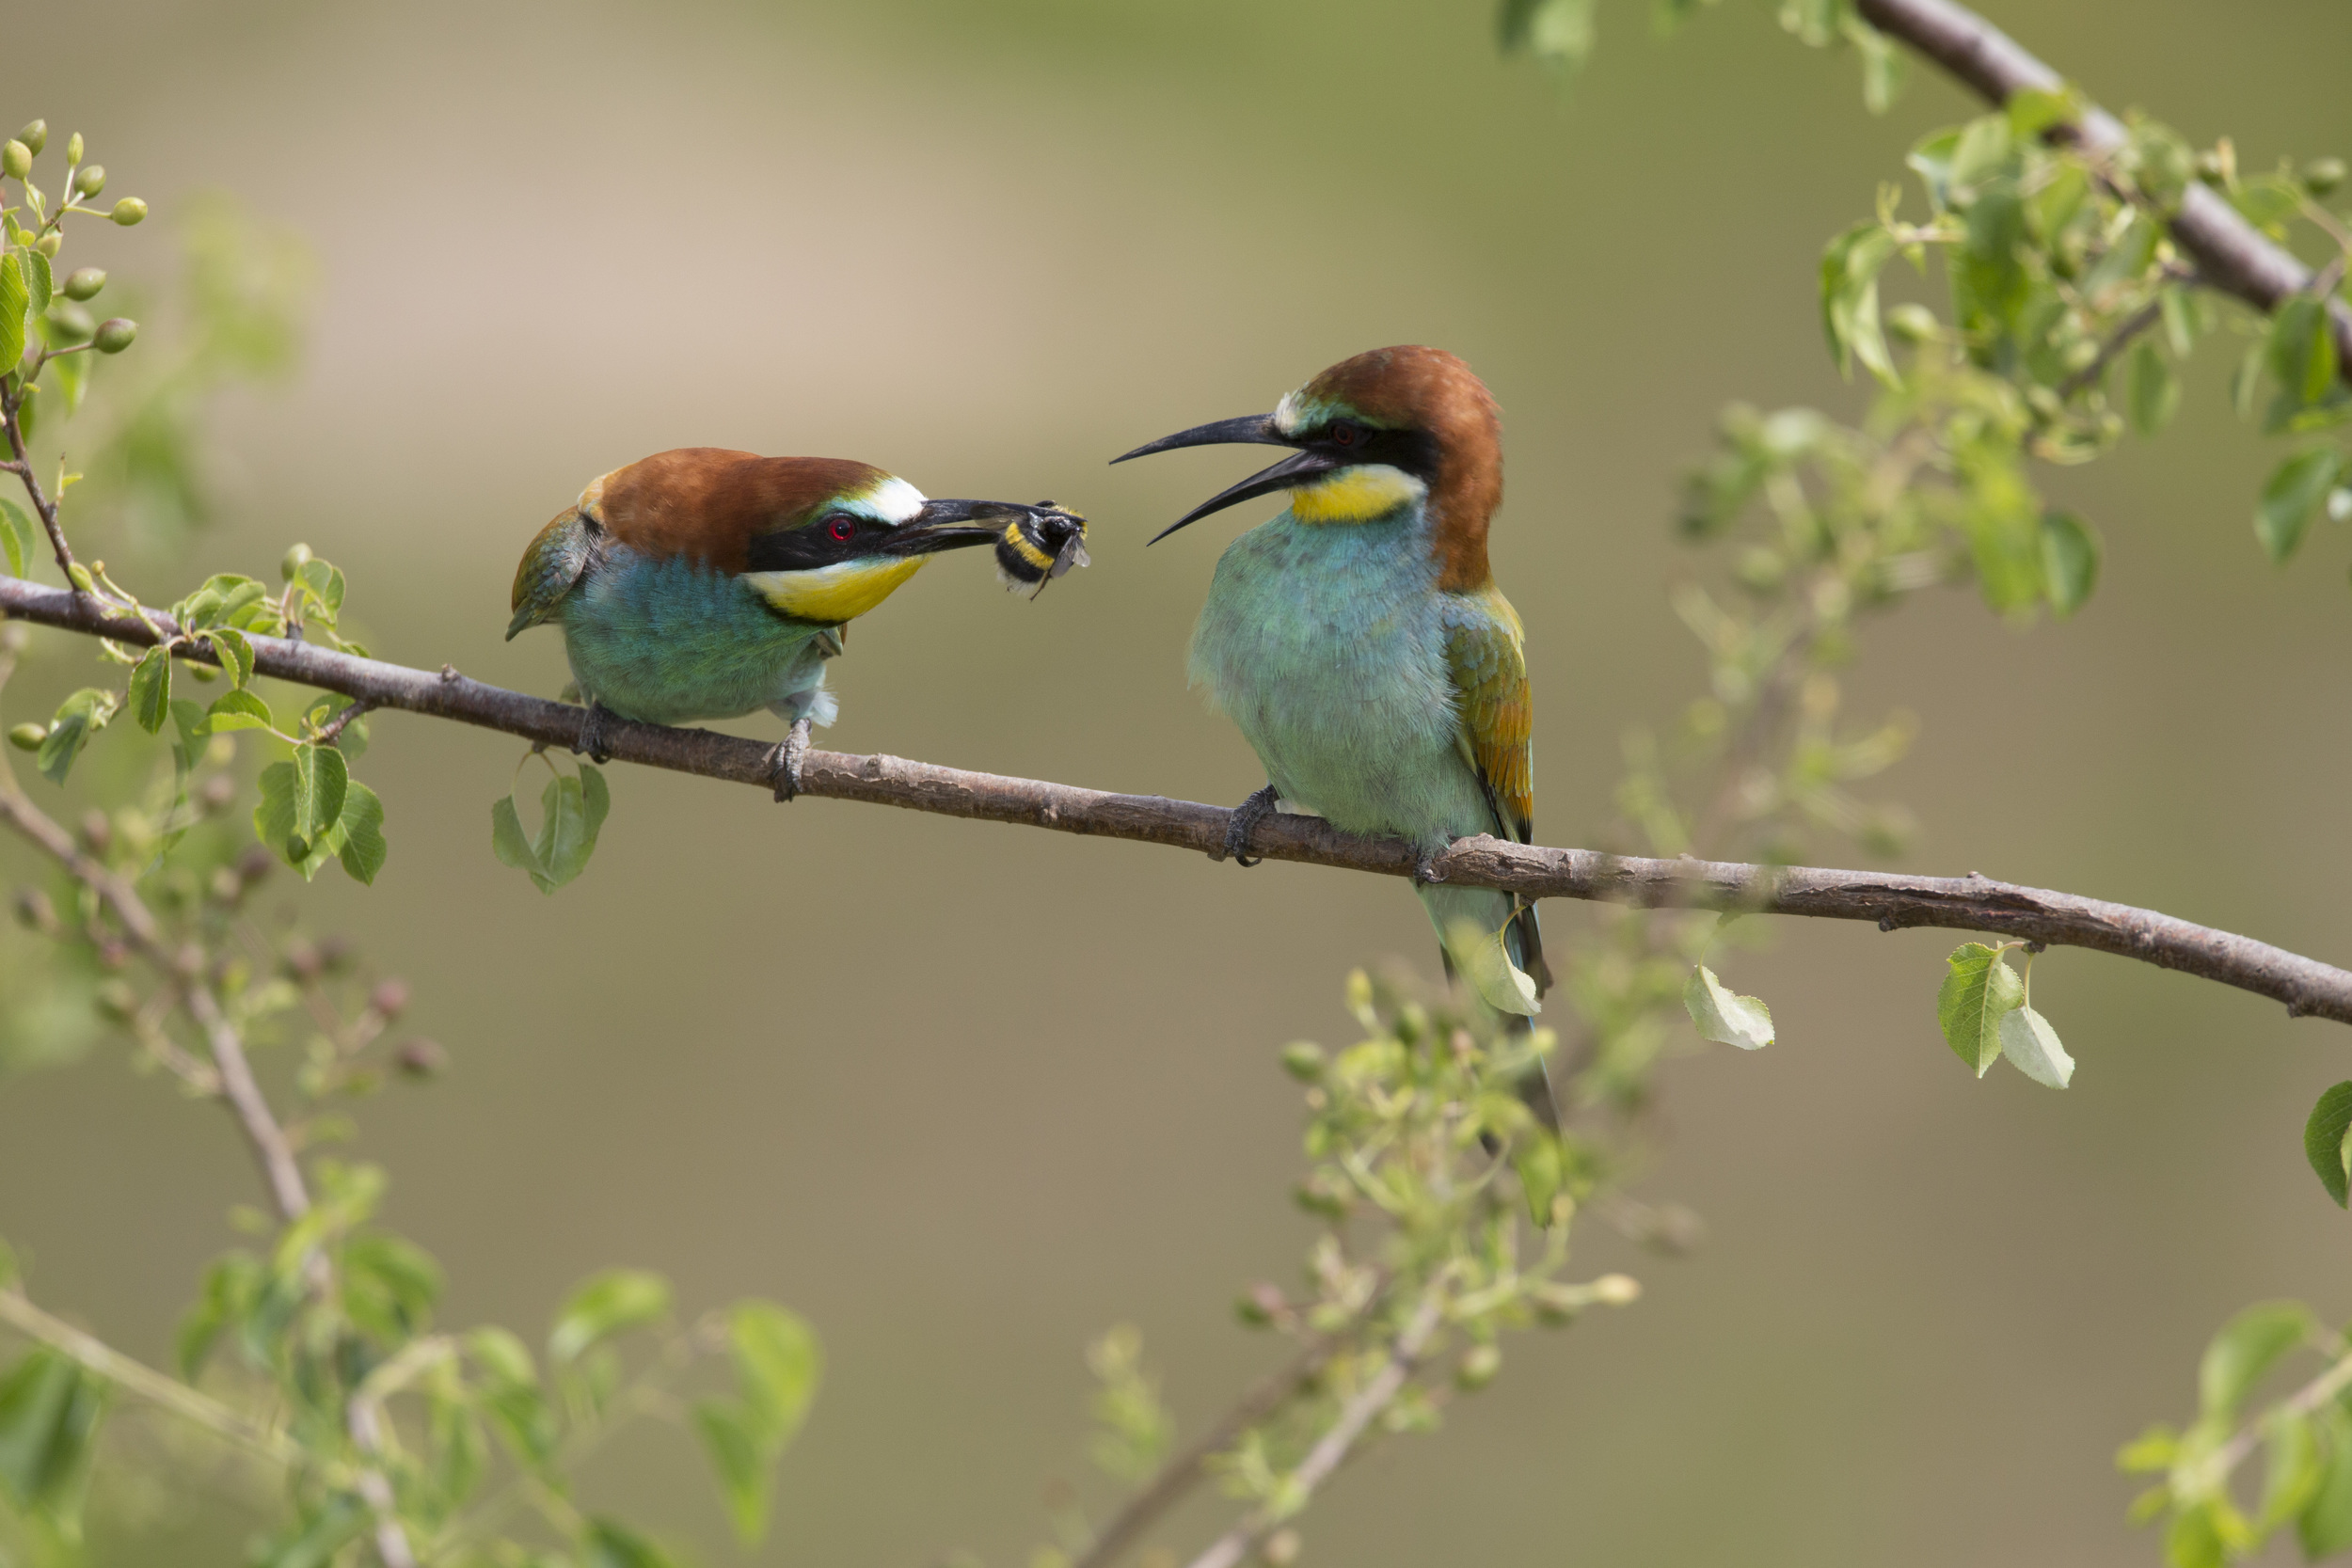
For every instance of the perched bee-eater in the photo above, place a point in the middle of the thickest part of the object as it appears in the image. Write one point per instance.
(703, 583)
(1361, 643)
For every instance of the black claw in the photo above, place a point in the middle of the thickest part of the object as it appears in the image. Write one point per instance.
(1243, 823)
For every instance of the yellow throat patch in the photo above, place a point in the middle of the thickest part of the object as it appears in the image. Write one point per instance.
(1357, 495)
(841, 592)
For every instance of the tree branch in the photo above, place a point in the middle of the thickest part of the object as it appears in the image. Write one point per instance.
(1971, 903)
(2230, 254)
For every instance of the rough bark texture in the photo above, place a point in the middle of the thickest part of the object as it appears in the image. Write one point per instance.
(1960, 903)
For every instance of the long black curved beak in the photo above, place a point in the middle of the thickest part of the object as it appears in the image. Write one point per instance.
(1256, 429)
(955, 525)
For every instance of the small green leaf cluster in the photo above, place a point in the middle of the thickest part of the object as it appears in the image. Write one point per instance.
(572, 810)
(2305, 1437)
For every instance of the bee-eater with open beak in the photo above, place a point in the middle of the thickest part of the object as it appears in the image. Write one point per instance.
(703, 583)
(1360, 641)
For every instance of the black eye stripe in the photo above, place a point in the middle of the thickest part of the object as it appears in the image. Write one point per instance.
(814, 543)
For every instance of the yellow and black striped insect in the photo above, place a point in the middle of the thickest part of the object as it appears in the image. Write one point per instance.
(1039, 545)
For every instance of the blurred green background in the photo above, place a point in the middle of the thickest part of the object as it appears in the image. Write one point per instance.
(965, 1096)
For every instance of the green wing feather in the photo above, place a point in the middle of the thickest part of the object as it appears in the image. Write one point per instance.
(550, 567)
(1486, 655)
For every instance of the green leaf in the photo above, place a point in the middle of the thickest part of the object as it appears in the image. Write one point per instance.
(314, 1541)
(512, 846)
(2291, 496)
(2195, 1538)
(512, 1400)
(2070, 560)
(743, 1468)
(1543, 1172)
(389, 1287)
(233, 1287)
(1978, 991)
(238, 710)
(607, 1304)
(2324, 1142)
(2151, 393)
(316, 790)
(323, 585)
(608, 1545)
(72, 378)
(78, 718)
(1724, 1017)
(362, 849)
(2302, 356)
(778, 1364)
(1557, 33)
(49, 1410)
(39, 285)
(150, 691)
(17, 534)
(13, 298)
(2249, 1345)
(2324, 1527)
(2292, 1468)
(2033, 1048)
(1883, 64)
(2032, 111)
(235, 653)
(1850, 299)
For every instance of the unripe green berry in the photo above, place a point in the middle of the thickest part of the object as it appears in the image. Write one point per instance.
(296, 558)
(1303, 1060)
(48, 244)
(128, 211)
(2321, 176)
(90, 180)
(85, 282)
(1478, 1367)
(27, 737)
(115, 334)
(73, 147)
(34, 135)
(16, 160)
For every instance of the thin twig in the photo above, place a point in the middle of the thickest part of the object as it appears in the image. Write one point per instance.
(135, 1377)
(1334, 1446)
(2308, 986)
(22, 469)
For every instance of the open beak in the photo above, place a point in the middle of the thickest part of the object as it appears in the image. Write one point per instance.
(1257, 429)
(955, 525)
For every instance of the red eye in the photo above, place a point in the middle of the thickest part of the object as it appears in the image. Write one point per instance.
(1343, 435)
(840, 527)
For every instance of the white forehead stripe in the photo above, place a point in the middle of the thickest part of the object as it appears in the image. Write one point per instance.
(894, 501)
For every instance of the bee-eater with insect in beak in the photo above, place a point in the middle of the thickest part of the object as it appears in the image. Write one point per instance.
(1360, 641)
(703, 583)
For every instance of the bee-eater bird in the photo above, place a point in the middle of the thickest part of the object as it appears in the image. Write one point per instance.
(703, 583)
(1360, 641)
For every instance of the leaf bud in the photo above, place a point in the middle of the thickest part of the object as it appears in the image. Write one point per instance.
(128, 211)
(27, 737)
(1281, 1549)
(73, 147)
(116, 1001)
(16, 160)
(79, 575)
(226, 886)
(255, 862)
(217, 792)
(2321, 176)
(83, 282)
(1303, 1060)
(1913, 323)
(390, 998)
(90, 180)
(115, 334)
(421, 1058)
(49, 243)
(34, 135)
(1478, 1367)
(34, 911)
(297, 557)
